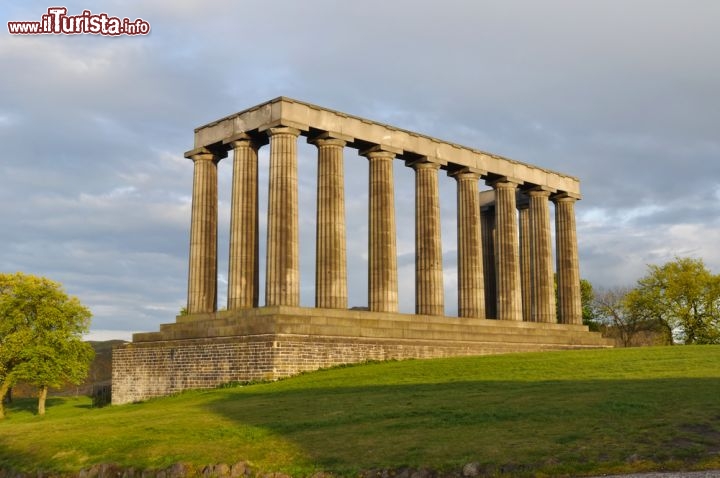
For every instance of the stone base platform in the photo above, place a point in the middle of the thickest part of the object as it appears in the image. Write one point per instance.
(268, 343)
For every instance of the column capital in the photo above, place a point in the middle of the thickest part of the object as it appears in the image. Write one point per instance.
(319, 142)
(327, 137)
(422, 163)
(504, 182)
(205, 154)
(241, 139)
(539, 192)
(454, 171)
(563, 196)
(380, 151)
(282, 130)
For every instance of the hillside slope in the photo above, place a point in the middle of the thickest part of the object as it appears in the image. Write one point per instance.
(573, 412)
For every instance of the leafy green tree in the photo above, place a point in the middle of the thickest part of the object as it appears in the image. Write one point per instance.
(587, 296)
(683, 296)
(41, 332)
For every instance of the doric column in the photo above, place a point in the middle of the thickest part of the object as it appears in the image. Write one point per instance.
(568, 266)
(202, 274)
(382, 268)
(507, 254)
(331, 263)
(525, 258)
(471, 287)
(487, 231)
(429, 291)
(543, 289)
(243, 261)
(282, 281)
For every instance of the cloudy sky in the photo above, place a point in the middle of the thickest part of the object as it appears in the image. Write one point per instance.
(95, 192)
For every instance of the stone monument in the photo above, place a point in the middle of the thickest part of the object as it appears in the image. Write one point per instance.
(506, 296)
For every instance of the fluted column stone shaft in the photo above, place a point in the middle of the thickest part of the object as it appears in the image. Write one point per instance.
(282, 285)
(202, 274)
(487, 232)
(243, 274)
(525, 260)
(382, 268)
(568, 267)
(331, 262)
(543, 289)
(471, 285)
(429, 290)
(507, 254)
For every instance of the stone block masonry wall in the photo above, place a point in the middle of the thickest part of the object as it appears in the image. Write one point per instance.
(154, 369)
(162, 368)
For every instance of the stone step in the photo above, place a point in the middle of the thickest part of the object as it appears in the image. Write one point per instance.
(259, 324)
(332, 315)
(254, 326)
(467, 334)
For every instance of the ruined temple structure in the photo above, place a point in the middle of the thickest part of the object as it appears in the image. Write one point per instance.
(506, 299)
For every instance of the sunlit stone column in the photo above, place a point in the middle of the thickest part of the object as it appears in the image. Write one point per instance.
(331, 263)
(282, 281)
(543, 289)
(525, 257)
(471, 287)
(568, 266)
(487, 231)
(243, 261)
(507, 254)
(429, 291)
(202, 274)
(382, 269)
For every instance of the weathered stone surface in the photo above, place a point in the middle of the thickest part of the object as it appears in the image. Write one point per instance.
(429, 292)
(330, 262)
(382, 263)
(568, 267)
(243, 273)
(179, 470)
(282, 279)
(543, 288)
(130, 473)
(202, 274)
(471, 279)
(471, 470)
(219, 470)
(239, 469)
(507, 251)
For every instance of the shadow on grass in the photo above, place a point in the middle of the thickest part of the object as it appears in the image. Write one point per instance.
(30, 405)
(573, 427)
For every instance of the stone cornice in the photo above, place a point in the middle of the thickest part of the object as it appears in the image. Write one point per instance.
(313, 120)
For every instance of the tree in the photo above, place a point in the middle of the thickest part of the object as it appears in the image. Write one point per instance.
(611, 307)
(683, 296)
(41, 335)
(587, 295)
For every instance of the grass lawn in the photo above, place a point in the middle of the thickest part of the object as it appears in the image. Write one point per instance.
(553, 413)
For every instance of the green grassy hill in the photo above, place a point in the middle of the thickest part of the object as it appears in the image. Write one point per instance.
(574, 412)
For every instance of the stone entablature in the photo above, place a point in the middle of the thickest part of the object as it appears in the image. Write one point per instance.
(361, 134)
